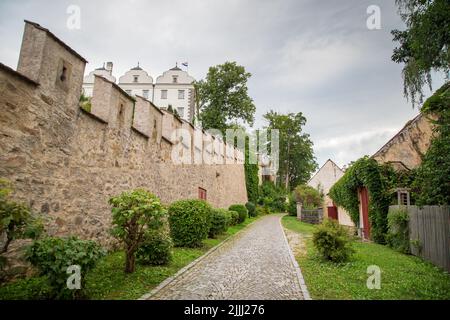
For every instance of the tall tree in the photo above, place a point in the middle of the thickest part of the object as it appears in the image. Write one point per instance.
(432, 183)
(296, 156)
(222, 98)
(424, 45)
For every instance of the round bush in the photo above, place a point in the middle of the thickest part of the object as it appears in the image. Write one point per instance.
(234, 217)
(52, 256)
(241, 210)
(189, 222)
(332, 241)
(220, 220)
(156, 249)
(251, 207)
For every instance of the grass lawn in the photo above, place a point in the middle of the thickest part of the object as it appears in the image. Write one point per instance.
(108, 280)
(402, 276)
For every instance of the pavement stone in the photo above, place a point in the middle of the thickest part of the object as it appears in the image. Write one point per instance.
(255, 264)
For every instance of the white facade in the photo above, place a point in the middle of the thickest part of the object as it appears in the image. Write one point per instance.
(174, 87)
(137, 82)
(323, 180)
(88, 81)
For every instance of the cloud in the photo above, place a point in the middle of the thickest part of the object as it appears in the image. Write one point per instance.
(314, 57)
(308, 63)
(349, 147)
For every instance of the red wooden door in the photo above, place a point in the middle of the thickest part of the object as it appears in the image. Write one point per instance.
(332, 213)
(364, 211)
(202, 194)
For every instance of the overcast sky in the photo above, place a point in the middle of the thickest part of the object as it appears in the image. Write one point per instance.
(313, 56)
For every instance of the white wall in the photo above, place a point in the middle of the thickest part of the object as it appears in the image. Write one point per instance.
(324, 179)
(88, 81)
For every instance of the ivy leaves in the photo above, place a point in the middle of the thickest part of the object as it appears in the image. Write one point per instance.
(365, 172)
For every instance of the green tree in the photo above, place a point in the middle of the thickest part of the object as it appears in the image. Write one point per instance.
(432, 183)
(309, 197)
(134, 216)
(222, 98)
(16, 219)
(296, 156)
(424, 44)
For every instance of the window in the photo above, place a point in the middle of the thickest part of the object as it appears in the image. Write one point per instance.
(163, 94)
(135, 78)
(145, 94)
(201, 193)
(180, 94)
(175, 79)
(180, 112)
(63, 75)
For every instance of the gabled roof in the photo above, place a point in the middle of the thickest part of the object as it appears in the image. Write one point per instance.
(405, 127)
(329, 160)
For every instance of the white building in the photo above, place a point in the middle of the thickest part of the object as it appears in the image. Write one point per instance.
(88, 81)
(174, 87)
(136, 81)
(323, 180)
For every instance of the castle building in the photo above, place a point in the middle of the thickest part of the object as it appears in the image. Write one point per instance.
(173, 88)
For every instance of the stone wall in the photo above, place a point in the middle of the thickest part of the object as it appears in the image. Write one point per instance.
(66, 163)
(409, 145)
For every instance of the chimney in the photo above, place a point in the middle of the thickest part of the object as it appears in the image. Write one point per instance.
(109, 67)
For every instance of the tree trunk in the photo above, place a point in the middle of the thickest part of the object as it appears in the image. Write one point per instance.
(130, 261)
(6, 245)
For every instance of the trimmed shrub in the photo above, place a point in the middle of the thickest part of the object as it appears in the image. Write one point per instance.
(52, 256)
(234, 217)
(156, 249)
(220, 220)
(241, 210)
(332, 241)
(398, 230)
(262, 210)
(251, 208)
(189, 222)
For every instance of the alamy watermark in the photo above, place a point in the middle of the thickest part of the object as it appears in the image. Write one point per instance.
(74, 280)
(373, 21)
(74, 18)
(374, 279)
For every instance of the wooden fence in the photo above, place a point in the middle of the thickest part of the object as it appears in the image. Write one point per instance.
(429, 233)
(314, 216)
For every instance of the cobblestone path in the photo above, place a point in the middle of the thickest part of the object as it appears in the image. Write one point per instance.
(255, 264)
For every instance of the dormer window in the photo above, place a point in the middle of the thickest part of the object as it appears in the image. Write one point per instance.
(175, 79)
(135, 78)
